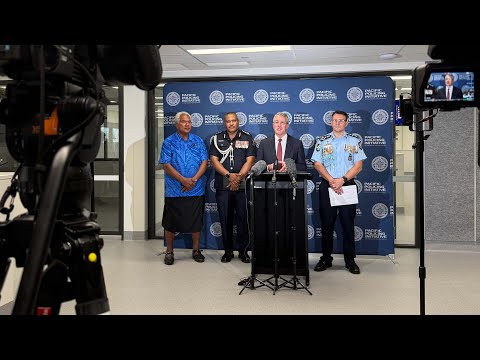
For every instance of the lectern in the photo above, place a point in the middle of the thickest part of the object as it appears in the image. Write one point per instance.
(278, 220)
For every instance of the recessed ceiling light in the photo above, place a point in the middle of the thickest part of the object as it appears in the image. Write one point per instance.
(239, 50)
(238, 63)
(401, 77)
(388, 56)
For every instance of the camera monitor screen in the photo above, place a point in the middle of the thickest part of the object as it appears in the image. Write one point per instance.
(445, 86)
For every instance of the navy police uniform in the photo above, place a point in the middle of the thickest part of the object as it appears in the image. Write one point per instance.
(337, 155)
(232, 153)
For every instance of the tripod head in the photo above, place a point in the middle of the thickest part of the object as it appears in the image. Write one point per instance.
(53, 111)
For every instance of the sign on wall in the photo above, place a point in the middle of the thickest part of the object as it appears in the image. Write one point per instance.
(369, 102)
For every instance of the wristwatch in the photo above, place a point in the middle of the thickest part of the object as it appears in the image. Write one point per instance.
(344, 178)
(227, 175)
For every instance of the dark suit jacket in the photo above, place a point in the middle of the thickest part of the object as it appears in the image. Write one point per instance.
(456, 93)
(267, 152)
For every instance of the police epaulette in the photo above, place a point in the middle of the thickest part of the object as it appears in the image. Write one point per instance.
(218, 133)
(246, 132)
(325, 137)
(355, 136)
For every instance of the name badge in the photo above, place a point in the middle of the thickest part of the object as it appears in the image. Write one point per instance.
(351, 148)
(241, 144)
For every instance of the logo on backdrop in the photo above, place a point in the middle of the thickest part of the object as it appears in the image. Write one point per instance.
(380, 210)
(358, 233)
(289, 116)
(216, 229)
(216, 97)
(258, 139)
(306, 95)
(310, 186)
(359, 186)
(242, 118)
(210, 207)
(307, 140)
(327, 117)
(380, 117)
(375, 140)
(354, 94)
(311, 232)
(196, 119)
(375, 94)
(212, 185)
(173, 98)
(379, 164)
(260, 96)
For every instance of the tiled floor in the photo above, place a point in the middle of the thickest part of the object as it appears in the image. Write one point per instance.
(138, 282)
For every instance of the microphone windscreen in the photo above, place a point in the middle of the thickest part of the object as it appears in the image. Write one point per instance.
(259, 167)
(291, 167)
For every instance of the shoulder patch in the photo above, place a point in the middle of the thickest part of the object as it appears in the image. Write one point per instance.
(325, 137)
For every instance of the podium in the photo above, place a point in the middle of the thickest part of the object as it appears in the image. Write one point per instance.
(282, 224)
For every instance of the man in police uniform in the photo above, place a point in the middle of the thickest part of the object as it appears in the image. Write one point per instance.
(338, 158)
(232, 154)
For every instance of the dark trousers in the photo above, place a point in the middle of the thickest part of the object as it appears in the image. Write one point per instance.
(328, 216)
(232, 205)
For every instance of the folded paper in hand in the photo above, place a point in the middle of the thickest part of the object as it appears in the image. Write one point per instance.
(348, 197)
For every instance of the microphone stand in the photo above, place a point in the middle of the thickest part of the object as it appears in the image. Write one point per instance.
(275, 202)
(294, 280)
(251, 280)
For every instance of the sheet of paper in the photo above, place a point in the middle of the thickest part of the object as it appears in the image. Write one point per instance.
(348, 197)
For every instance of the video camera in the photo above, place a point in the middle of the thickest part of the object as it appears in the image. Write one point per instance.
(458, 67)
(53, 112)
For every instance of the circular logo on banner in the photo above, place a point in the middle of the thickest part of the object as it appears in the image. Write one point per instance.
(173, 98)
(242, 118)
(196, 119)
(258, 139)
(327, 117)
(379, 164)
(310, 186)
(212, 185)
(359, 137)
(216, 97)
(358, 233)
(354, 94)
(380, 210)
(359, 186)
(380, 117)
(311, 232)
(307, 140)
(260, 96)
(216, 229)
(289, 116)
(306, 95)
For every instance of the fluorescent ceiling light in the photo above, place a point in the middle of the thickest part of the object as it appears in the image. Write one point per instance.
(239, 50)
(402, 77)
(238, 63)
(406, 89)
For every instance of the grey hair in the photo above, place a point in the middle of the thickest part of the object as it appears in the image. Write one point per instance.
(281, 114)
(180, 113)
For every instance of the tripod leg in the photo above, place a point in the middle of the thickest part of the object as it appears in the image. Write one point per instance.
(4, 266)
(52, 289)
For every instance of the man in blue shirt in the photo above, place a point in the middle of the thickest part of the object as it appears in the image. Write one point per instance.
(184, 158)
(338, 158)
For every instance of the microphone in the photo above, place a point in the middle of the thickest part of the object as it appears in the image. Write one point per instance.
(292, 171)
(257, 169)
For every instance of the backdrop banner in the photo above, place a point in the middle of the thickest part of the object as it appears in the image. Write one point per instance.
(309, 103)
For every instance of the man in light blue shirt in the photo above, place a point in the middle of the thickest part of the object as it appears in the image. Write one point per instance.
(184, 158)
(338, 158)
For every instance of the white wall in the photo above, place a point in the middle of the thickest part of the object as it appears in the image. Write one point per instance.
(135, 164)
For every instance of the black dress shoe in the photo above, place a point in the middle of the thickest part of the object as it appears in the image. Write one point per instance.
(322, 265)
(227, 257)
(244, 257)
(352, 267)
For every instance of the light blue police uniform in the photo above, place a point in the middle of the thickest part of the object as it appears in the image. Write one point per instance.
(338, 155)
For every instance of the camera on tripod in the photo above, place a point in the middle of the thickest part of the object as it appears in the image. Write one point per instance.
(53, 112)
(448, 85)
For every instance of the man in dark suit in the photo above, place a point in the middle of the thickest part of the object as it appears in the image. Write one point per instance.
(449, 92)
(281, 146)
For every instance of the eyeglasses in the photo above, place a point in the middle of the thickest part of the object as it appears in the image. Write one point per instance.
(339, 121)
